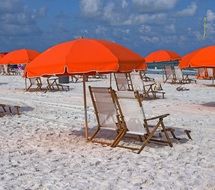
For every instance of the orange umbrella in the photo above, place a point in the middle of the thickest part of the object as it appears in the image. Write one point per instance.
(19, 56)
(162, 56)
(82, 56)
(203, 57)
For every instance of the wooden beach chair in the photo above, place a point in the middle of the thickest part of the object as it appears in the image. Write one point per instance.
(148, 89)
(54, 85)
(136, 123)
(107, 114)
(8, 109)
(123, 82)
(146, 78)
(168, 74)
(180, 78)
(34, 83)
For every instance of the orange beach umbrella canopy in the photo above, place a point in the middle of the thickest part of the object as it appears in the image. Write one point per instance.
(19, 56)
(162, 56)
(203, 57)
(84, 55)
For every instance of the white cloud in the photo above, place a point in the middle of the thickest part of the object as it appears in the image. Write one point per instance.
(91, 7)
(189, 11)
(150, 39)
(210, 16)
(154, 5)
(124, 4)
(145, 18)
(170, 28)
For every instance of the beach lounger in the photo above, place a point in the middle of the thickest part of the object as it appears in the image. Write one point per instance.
(5, 109)
(146, 78)
(107, 114)
(35, 83)
(179, 77)
(123, 82)
(53, 84)
(148, 89)
(136, 123)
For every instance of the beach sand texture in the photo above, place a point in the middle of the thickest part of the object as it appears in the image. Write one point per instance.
(44, 147)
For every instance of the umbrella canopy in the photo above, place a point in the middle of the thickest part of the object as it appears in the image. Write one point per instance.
(85, 56)
(162, 56)
(19, 56)
(203, 57)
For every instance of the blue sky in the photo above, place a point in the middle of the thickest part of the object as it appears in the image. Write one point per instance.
(141, 25)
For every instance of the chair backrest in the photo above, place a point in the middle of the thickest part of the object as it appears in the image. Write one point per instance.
(138, 83)
(178, 73)
(168, 72)
(123, 82)
(202, 73)
(104, 105)
(132, 110)
(211, 72)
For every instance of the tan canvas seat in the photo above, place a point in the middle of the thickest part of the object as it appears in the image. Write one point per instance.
(150, 89)
(107, 114)
(136, 122)
(179, 77)
(123, 82)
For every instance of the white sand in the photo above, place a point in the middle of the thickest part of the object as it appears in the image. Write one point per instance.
(44, 147)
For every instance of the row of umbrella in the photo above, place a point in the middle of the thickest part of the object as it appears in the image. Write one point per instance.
(202, 57)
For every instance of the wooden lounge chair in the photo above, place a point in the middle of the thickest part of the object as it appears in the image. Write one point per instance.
(53, 84)
(179, 77)
(123, 82)
(107, 114)
(10, 109)
(168, 74)
(146, 78)
(136, 123)
(147, 89)
(35, 83)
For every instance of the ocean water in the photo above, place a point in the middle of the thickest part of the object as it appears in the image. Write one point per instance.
(157, 68)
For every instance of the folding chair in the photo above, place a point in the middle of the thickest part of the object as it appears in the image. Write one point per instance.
(107, 114)
(136, 123)
(10, 109)
(211, 74)
(123, 82)
(168, 74)
(53, 85)
(179, 77)
(146, 78)
(147, 89)
(37, 82)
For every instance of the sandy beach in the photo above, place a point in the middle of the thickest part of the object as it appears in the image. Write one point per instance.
(44, 147)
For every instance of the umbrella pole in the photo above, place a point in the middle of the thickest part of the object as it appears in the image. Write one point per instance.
(110, 80)
(25, 84)
(85, 107)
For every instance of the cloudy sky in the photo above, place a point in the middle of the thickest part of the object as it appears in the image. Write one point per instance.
(142, 25)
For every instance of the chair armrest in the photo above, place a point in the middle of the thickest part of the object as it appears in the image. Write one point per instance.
(149, 84)
(157, 117)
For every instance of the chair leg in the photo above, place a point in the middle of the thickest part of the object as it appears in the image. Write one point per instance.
(94, 134)
(118, 138)
(188, 133)
(166, 134)
(3, 107)
(148, 138)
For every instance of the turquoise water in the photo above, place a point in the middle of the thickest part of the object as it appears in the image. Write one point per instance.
(157, 68)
